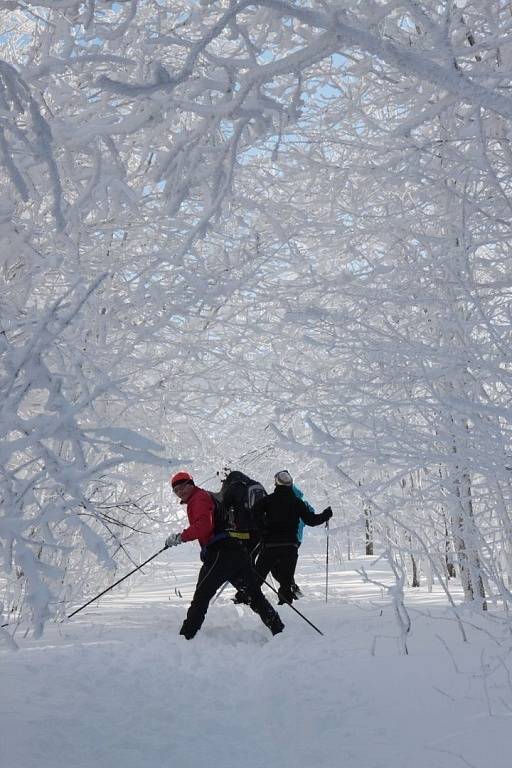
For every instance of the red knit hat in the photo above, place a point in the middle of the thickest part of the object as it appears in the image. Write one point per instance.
(181, 477)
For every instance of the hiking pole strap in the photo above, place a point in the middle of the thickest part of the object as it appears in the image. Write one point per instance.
(117, 582)
(288, 603)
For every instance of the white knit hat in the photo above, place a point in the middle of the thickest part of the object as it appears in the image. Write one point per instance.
(283, 478)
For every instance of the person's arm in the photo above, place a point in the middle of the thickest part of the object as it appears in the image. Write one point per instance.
(309, 517)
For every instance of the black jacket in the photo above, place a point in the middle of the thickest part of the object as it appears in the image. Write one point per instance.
(278, 516)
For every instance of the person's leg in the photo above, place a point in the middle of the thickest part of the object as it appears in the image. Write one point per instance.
(252, 546)
(241, 596)
(264, 563)
(297, 592)
(257, 601)
(283, 570)
(212, 575)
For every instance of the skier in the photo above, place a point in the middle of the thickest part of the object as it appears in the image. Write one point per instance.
(279, 514)
(237, 498)
(224, 559)
(239, 493)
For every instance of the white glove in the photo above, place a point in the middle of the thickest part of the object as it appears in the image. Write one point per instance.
(173, 540)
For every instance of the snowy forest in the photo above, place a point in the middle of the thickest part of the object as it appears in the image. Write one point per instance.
(257, 234)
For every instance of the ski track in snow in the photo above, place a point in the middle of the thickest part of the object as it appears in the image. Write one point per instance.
(117, 687)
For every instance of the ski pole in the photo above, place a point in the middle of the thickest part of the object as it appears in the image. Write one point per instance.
(291, 606)
(327, 561)
(117, 582)
(219, 593)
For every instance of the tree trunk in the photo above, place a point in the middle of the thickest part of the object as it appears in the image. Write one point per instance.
(448, 551)
(415, 579)
(368, 527)
(464, 537)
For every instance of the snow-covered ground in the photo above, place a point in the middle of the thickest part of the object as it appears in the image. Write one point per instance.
(117, 687)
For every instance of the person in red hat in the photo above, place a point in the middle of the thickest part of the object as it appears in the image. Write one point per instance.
(224, 559)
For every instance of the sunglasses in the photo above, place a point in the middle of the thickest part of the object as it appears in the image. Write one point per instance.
(180, 486)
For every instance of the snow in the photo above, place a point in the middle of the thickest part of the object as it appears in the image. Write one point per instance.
(117, 687)
(278, 230)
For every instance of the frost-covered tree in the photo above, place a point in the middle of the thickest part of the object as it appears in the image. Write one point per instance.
(205, 165)
(403, 317)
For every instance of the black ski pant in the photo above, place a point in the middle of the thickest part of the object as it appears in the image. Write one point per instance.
(280, 560)
(295, 585)
(228, 561)
(252, 547)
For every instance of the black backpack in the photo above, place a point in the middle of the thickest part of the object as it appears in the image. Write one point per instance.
(239, 494)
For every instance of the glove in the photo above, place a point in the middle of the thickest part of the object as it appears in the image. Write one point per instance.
(173, 540)
(327, 512)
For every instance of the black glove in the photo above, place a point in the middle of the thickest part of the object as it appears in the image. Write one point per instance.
(327, 512)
